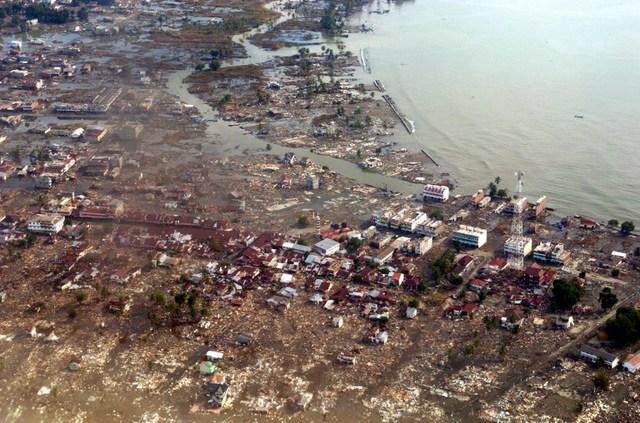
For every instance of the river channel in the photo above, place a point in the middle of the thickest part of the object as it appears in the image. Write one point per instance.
(230, 139)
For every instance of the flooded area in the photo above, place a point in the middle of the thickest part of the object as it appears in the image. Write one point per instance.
(230, 139)
(496, 86)
(217, 211)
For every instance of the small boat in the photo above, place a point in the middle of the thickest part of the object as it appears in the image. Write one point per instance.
(578, 116)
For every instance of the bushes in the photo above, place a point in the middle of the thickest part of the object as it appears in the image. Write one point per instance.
(443, 264)
(46, 14)
(303, 222)
(607, 298)
(624, 329)
(566, 294)
(456, 280)
(491, 322)
(158, 297)
(216, 246)
(601, 380)
(80, 296)
(627, 227)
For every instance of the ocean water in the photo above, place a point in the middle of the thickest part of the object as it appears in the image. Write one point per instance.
(494, 86)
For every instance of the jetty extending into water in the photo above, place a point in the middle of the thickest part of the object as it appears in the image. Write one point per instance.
(364, 60)
(406, 122)
(429, 157)
(379, 85)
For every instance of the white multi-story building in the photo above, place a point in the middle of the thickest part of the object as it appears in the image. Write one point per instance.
(469, 235)
(412, 220)
(431, 228)
(518, 245)
(397, 218)
(420, 246)
(406, 220)
(551, 253)
(381, 218)
(46, 223)
(435, 192)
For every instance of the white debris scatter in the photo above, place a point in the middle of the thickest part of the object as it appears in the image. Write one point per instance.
(395, 403)
(148, 381)
(325, 401)
(7, 338)
(472, 379)
(592, 410)
(261, 404)
(162, 415)
(45, 390)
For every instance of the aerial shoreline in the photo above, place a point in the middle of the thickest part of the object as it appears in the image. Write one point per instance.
(209, 211)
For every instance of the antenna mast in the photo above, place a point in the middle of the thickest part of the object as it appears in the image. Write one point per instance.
(516, 260)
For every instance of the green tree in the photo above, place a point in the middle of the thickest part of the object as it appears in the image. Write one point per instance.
(482, 295)
(80, 296)
(566, 294)
(456, 280)
(303, 222)
(158, 297)
(443, 264)
(493, 189)
(414, 302)
(83, 14)
(607, 298)
(613, 222)
(491, 322)
(497, 180)
(192, 299)
(601, 380)
(15, 153)
(30, 239)
(216, 246)
(504, 193)
(437, 214)
(180, 298)
(328, 22)
(215, 65)
(172, 308)
(47, 14)
(72, 313)
(353, 245)
(624, 329)
(627, 227)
